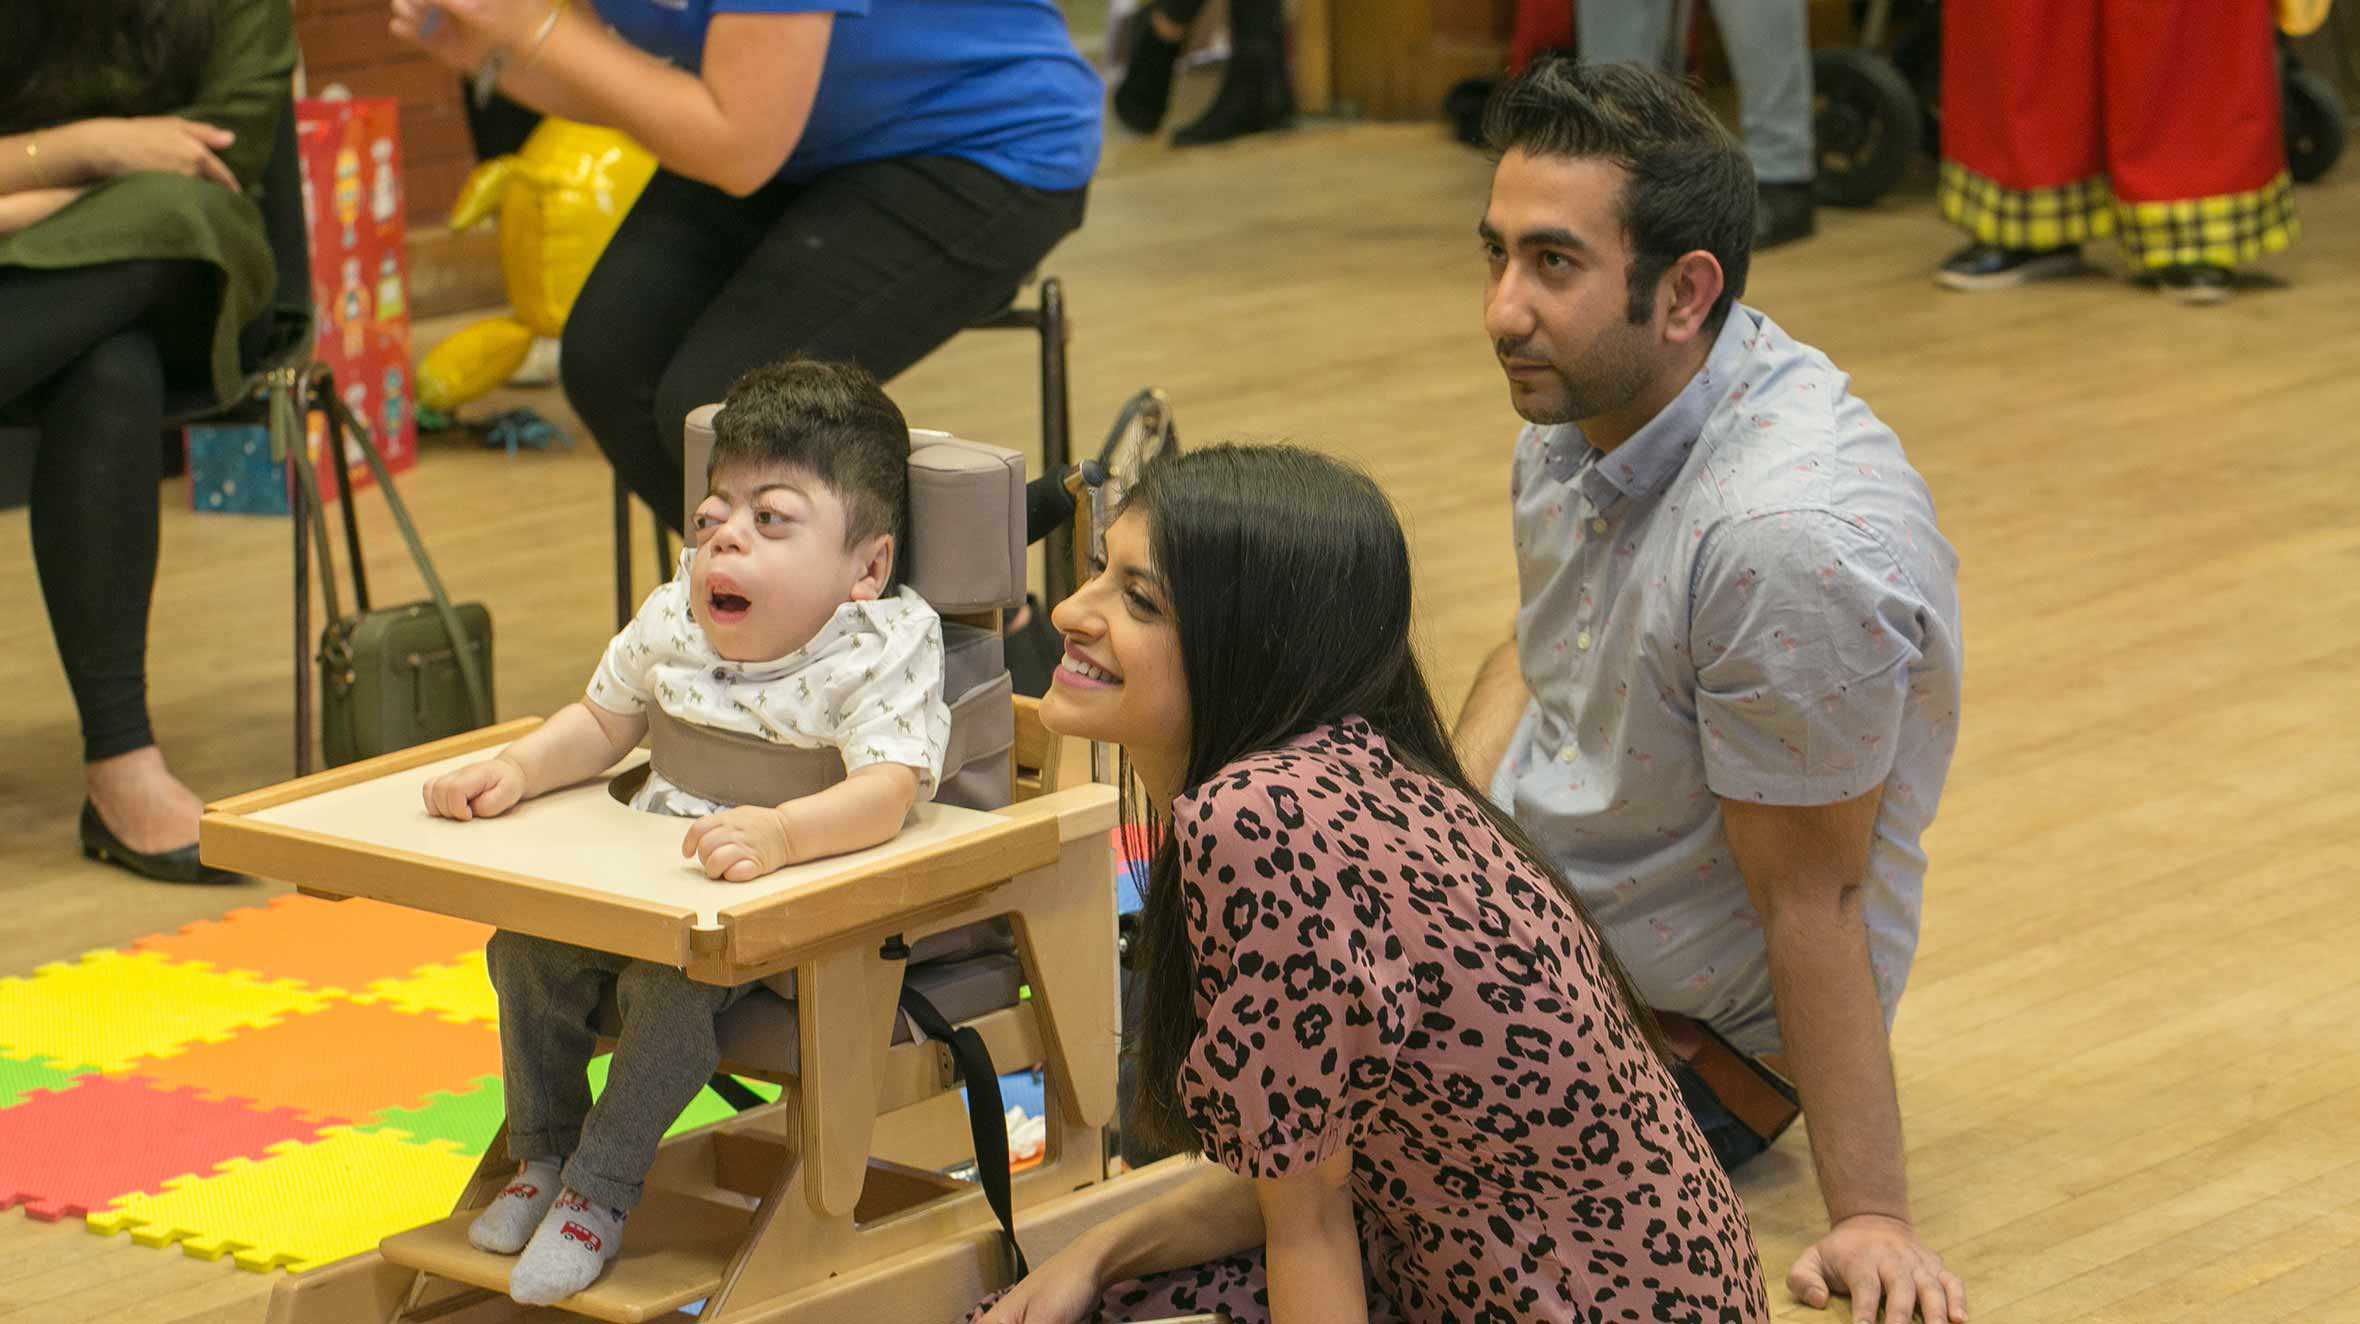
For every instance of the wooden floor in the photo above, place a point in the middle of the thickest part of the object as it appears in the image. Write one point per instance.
(2127, 1057)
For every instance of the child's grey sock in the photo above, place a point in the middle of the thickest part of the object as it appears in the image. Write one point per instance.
(508, 1222)
(568, 1251)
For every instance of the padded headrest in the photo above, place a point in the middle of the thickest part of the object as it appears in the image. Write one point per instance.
(965, 551)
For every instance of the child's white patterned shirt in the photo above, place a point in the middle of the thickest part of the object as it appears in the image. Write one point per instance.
(869, 684)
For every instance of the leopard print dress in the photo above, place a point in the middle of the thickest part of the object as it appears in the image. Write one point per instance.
(1379, 971)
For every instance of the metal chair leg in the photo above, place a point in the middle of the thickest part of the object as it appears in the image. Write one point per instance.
(622, 554)
(287, 400)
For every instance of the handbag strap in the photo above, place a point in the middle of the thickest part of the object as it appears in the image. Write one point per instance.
(478, 695)
(287, 422)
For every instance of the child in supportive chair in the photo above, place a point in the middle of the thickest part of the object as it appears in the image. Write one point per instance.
(785, 624)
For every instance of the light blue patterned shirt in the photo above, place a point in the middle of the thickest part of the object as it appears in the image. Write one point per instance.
(1748, 599)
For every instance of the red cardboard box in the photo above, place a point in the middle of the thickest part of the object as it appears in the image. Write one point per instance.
(352, 203)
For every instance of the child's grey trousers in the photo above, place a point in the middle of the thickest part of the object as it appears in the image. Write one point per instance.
(549, 994)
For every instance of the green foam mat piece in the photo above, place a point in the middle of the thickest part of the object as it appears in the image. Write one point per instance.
(466, 1118)
(21, 1076)
(469, 1118)
(706, 1109)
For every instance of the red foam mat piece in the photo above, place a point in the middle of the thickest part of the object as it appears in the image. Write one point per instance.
(66, 1153)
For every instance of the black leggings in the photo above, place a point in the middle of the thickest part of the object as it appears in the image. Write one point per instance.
(79, 359)
(876, 263)
(1249, 20)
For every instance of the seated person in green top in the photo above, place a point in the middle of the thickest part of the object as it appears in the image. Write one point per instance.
(784, 624)
(133, 136)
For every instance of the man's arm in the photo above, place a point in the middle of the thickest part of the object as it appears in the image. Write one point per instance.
(1803, 868)
(1487, 721)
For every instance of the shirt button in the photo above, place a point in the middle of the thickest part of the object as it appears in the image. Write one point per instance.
(720, 673)
(1582, 641)
(1566, 755)
(1597, 524)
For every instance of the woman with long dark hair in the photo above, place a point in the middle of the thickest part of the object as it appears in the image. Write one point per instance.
(1422, 1081)
(133, 136)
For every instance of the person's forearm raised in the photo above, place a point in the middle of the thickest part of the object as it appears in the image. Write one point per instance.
(731, 124)
(1487, 721)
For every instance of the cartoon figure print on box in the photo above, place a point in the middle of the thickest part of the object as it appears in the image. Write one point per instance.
(784, 624)
(352, 310)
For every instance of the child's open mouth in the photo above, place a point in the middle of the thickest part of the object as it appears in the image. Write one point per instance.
(726, 605)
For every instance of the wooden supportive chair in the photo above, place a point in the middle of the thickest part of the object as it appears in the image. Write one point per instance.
(830, 1204)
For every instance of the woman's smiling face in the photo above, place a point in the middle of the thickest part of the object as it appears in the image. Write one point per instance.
(1121, 679)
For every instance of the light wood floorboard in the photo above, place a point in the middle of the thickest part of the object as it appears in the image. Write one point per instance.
(2126, 1056)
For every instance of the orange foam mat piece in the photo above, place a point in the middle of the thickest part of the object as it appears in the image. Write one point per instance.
(306, 1205)
(347, 1061)
(343, 946)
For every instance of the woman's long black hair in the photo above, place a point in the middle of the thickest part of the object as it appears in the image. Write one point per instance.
(1288, 581)
(64, 60)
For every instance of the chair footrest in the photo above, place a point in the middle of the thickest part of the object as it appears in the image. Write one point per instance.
(676, 1251)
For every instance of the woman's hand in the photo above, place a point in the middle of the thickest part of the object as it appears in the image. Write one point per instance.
(99, 149)
(741, 844)
(22, 211)
(479, 790)
(452, 37)
(1062, 1290)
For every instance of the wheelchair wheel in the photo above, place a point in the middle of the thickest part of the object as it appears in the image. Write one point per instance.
(1865, 122)
(1143, 430)
(2314, 125)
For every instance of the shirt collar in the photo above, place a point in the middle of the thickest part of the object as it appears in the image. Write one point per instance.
(1641, 466)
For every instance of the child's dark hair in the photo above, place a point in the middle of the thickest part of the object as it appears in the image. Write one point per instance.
(831, 420)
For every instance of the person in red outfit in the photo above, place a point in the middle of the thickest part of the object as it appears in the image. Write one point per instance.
(2156, 121)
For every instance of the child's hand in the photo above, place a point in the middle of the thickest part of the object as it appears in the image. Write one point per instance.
(739, 844)
(479, 790)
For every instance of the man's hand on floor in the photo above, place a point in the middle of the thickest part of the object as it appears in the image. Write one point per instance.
(1879, 1261)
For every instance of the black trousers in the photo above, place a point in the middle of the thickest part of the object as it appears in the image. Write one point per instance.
(83, 357)
(877, 264)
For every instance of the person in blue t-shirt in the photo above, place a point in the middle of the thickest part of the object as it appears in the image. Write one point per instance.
(843, 179)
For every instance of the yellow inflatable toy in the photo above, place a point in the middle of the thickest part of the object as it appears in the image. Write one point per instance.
(559, 200)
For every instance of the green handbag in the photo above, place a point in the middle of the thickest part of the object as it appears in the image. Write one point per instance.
(392, 677)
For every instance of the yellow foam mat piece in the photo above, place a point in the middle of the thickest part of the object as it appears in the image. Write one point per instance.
(458, 990)
(110, 1008)
(300, 1208)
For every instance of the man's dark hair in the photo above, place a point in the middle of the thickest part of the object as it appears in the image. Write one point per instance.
(1690, 184)
(832, 421)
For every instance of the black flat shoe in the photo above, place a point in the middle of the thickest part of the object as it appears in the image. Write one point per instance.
(2198, 284)
(1146, 90)
(172, 866)
(1254, 97)
(1990, 267)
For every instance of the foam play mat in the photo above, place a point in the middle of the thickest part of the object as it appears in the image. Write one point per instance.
(287, 1084)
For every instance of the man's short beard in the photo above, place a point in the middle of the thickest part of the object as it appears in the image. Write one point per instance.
(1618, 380)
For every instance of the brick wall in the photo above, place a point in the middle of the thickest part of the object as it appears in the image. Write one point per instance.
(346, 41)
